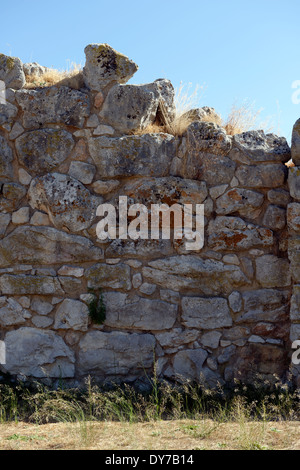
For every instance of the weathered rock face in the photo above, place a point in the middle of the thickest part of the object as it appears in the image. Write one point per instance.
(147, 155)
(61, 105)
(43, 150)
(68, 203)
(11, 72)
(104, 66)
(205, 315)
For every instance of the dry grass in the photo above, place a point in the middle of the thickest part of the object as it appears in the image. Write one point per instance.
(160, 435)
(72, 78)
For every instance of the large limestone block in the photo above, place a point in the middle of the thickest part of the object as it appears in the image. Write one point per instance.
(268, 175)
(105, 66)
(193, 274)
(207, 137)
(146, 155)
(43, 150)
(138, 313)
(12, 313)
(8, 112)
(294, 182)
(22, 284)
(205, 313)
(131, 107)
(61, 105)
(11, 72)
(115, 354)
(11, 196)
(264, 305)
(272, 271)
(68, 203)
(256, 146)
(46, 245)
(38, 353)
(232, 233)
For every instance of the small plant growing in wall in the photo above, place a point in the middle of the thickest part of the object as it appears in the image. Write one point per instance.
(97, 307)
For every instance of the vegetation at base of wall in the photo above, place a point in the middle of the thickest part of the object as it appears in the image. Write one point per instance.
(97, 307)
(162, 401)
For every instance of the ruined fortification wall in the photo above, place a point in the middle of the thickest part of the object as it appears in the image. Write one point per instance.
(228, 310)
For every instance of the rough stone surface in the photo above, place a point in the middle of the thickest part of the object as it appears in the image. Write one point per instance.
(104, 66)
(53, 105)
(256, 146)
(82, 171)
(275, 218)
(146, 155)
(11, 72)
(6, 158)
(72, 314)
(39, 354)
(261, 176)
(12, 313)
(295, 148)
(115, 354)
(272, 271)
(243, 201)
(205, 313)
(103, 275)
(68, 203)
(43, 150)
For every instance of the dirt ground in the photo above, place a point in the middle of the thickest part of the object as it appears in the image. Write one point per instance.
(160, 435)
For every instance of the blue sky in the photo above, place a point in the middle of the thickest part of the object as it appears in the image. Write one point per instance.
(235, 50)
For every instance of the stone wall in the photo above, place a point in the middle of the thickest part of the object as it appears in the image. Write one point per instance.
(221, 313)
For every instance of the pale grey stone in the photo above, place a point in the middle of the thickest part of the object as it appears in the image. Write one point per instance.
(235, 301)
(42, 322)
(295, 304)
(45, 271)
(188, 365)
(295, 332)
(72, 314)
(82, 171)
(60, 105)
(24, 301)
(235, 334)
(275, 217)
(147, 289)
(39, 218)
(6, 158)
(211, 339)
(24, 177)
(42, 307)
(133, 263)
(176, 338)
(169, 296)
(205, 313)
(12, 313)
(46, 245)
(211, 167)
(294, 182)
(71, 271)
(217, 191)
(293, 216)
(115, 354)
(256, 146)
(262, 176)
(211, 138)
(70, 285)
(138, 313)
(39, 354)
(92, 121)
(140, 248)
(231, 259)
(104, 130)
(137, 280)
(256, 339)
(21, 216)
(8, 113)
(104, 66)
(194, 274)
(11, 72)
(272, 271)
(150, 155)
(68, 203)
(131, 107)
(294, 257)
